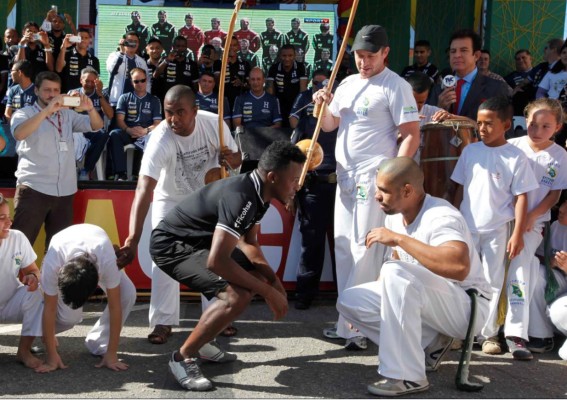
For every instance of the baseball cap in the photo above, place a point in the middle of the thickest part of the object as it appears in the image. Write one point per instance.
(154, 39)
(370, 38)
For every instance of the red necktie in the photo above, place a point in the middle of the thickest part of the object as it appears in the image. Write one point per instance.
(460, 84)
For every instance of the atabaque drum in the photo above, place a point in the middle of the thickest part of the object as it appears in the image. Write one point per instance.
(441, 145)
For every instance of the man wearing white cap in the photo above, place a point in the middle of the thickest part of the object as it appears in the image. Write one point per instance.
(369, 109)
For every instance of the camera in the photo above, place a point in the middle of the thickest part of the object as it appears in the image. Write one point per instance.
(71, 101)
(36, 36)
(130, 44)
(75, 39)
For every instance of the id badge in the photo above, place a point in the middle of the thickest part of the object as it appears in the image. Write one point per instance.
(63, 146)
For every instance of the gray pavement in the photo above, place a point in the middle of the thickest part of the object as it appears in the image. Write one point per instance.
(284, 359)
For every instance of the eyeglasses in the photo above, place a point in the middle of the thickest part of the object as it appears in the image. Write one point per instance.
(139, 80)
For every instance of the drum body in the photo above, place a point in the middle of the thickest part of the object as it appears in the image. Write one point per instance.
(441, 146)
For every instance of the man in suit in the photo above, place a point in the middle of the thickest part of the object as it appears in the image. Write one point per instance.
(472, 88)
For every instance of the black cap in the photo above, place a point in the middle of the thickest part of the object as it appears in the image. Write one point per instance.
(370, 38)
(189, 15)
(154, 39)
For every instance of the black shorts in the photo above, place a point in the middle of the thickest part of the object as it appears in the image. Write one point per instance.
(187, 263)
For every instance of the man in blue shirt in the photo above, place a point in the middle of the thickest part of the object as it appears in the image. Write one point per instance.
(256, 108)
(137, 114)
(22, 93)
(207, 99)
(91, 86)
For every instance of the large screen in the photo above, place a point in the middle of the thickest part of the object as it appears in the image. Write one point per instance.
(112, 22)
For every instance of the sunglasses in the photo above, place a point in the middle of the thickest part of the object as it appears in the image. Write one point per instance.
(139, 80)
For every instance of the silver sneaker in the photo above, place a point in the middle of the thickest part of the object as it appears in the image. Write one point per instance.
(435, 352)
(397, 387)
(213, 352)
(188, 374)
(356, 343)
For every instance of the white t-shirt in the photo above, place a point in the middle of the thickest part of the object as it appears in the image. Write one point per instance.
(180, 163)
(550, 170)
(74, 241)
(16, 253)
(491, 177)
(370, 111)
(554, 83)
(436, 223)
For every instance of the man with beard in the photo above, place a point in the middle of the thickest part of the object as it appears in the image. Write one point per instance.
(237, 72)
(46, 175)
(57, 34)
(22, 93)
(164, 30)
(270, 37)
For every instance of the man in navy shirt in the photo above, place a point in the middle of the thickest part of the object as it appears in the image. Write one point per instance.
(91, 86)
(207, 99)
(210, 235)
(286, 80)
(256, 108)
(22, 93)
(178, 68)
(73, 59)
(137, 114)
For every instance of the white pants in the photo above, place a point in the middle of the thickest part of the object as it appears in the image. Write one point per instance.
(97, 339)
(558, 313)
(25, 307)
(356, 213)
(491, 247)
(522, 275)
(164, 299)
(404, 311)
(541, 325)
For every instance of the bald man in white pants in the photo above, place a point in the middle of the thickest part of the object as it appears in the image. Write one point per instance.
(419, 302)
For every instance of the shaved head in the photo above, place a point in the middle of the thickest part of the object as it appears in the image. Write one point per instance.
(179, 92)
(401, 171)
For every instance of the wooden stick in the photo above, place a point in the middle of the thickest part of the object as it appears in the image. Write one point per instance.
(237, 5)
(321, 110)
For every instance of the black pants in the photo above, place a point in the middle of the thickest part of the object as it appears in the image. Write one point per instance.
(316, 211)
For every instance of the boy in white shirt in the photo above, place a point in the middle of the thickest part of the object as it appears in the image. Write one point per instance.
(78, 259)
(496, 177)
(20, 301)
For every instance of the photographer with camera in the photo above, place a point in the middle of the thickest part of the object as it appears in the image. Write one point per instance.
(35, 47)
(178, 67)
(119, 63)
(74, 56)
(56, 34)
(46, 175)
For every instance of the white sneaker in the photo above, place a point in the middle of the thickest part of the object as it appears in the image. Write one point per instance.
(188, 374)
(213, 352)
(435, 352)
(356, 343)
(397, 387)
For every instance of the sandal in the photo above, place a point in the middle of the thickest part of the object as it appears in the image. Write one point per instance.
(229, 331)
(160, 334)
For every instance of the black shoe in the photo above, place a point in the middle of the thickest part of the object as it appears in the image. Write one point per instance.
(122, 177)
(302, 304)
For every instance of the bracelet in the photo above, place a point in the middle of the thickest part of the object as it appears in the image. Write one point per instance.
(49, 50)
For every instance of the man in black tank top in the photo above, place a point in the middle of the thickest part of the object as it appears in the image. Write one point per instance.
(196, 243)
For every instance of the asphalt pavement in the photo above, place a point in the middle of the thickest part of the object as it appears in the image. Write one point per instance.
(285, 359)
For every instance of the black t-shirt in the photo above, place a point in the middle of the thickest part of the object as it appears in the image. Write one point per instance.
(74, 64)
(184, 72)
(37, 58)
(233, 204)
(286, 85)
(238, 69)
